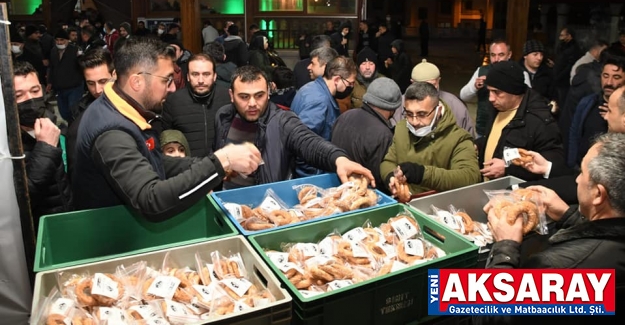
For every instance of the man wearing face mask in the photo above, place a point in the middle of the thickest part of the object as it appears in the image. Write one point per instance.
(64, 75)
(21, 53)
(433, 152)
(48, 185)
(315, 103)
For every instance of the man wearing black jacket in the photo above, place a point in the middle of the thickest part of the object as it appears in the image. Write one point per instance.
(118, 157)
(279, 134)
(64, 75)
(192, 109)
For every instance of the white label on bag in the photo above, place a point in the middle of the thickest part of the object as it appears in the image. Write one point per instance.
(112, 314)
(297, 213)
(389, 250)
(211, 272)
(310, 293)
(288, 266)
(317, 260)
(175, 309)
(157, 321)
(414, 247)
(145, 311)
(307, 249)
(194, 308)
(449, 220)
(359, 251)
(381, 236)
(397, 265)
(205, 292)
(355, 235)
(104, 286)
(239, 286)
(338, 284)
(326, 247)
(278, 258)
(460, 223)
(241, 306)
(269, 204)
(261, 302)
(404, 228)
(62, 306)
(509, 154)
(164, 286)
(234, 210)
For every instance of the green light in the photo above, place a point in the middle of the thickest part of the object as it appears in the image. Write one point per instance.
(233, 7)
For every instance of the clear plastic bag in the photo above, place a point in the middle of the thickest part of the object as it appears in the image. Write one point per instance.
(403, 190)
(511, 205)
(132, 278)
(405, 226)
(227, 266)
(307, 192)
(272, 202)
(54, 308)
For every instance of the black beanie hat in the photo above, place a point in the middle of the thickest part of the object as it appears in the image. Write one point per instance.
(507, 76)
(61, 34)
(30, 29)
(366, 54)
(532, 46)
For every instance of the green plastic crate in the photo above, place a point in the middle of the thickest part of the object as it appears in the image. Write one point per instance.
(396, 298)
(74, 238)
(275, 313)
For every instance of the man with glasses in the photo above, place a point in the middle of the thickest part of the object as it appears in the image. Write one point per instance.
(433, 152)
(118, 157)
(315, 103)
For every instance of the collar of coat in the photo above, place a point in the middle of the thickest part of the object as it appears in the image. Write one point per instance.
(613, 228)
(129, 107)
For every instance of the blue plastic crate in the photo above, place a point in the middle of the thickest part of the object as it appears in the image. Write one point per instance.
(254, 195)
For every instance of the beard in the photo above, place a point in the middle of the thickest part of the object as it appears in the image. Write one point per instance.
(150, 104)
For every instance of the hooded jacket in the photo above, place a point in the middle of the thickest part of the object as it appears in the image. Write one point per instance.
(401, 68)
(236, 50)
(447, 154)
(224, 73)
(195, 117)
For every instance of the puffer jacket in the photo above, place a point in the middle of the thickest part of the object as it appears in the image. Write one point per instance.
(194, 117)
(282, 138)
(447, 154)
(532, 128)
(578, 244)
(48, 185)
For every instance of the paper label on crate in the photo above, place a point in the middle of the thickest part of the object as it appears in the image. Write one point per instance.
(239, 286)
(269, 204)
(234, 210)
(397, 265)
(510, 154)
(175, 309)
(309, 293)
(145, 311)
(205, 292)
(404, 228)
(104, 286)
(164, 286)
(297, 212)
(62, 306)
(381, 236)
(240, 306)
(307, 249)
(414, 247)
(114, 315)
(389, 250)
(355, 235)
(157, 321)
(359, 251)
(326, 247)
(338, 284)
(261, 302)
(460, 224)
(317, 260)
(278, 258)
(290, 266)
(211, 272)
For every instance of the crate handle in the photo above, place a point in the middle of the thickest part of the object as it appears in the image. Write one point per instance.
(260, 277)
(434, 234)
(218, 221)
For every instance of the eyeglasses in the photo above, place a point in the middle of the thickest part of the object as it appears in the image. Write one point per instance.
(350, 83)
(417, 115)
(169, 79)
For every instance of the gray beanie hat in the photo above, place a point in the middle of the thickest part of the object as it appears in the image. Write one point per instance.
(383, 93)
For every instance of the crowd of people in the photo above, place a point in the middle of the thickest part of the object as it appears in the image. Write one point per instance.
(159, 127)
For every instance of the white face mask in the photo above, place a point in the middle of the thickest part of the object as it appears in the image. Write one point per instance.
(61, 47)
(15, 49)
(161, 31)
(423, 131)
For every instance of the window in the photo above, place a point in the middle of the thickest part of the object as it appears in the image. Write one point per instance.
(347, 7)
(281, 5)
(25, 7)
(228, 7)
